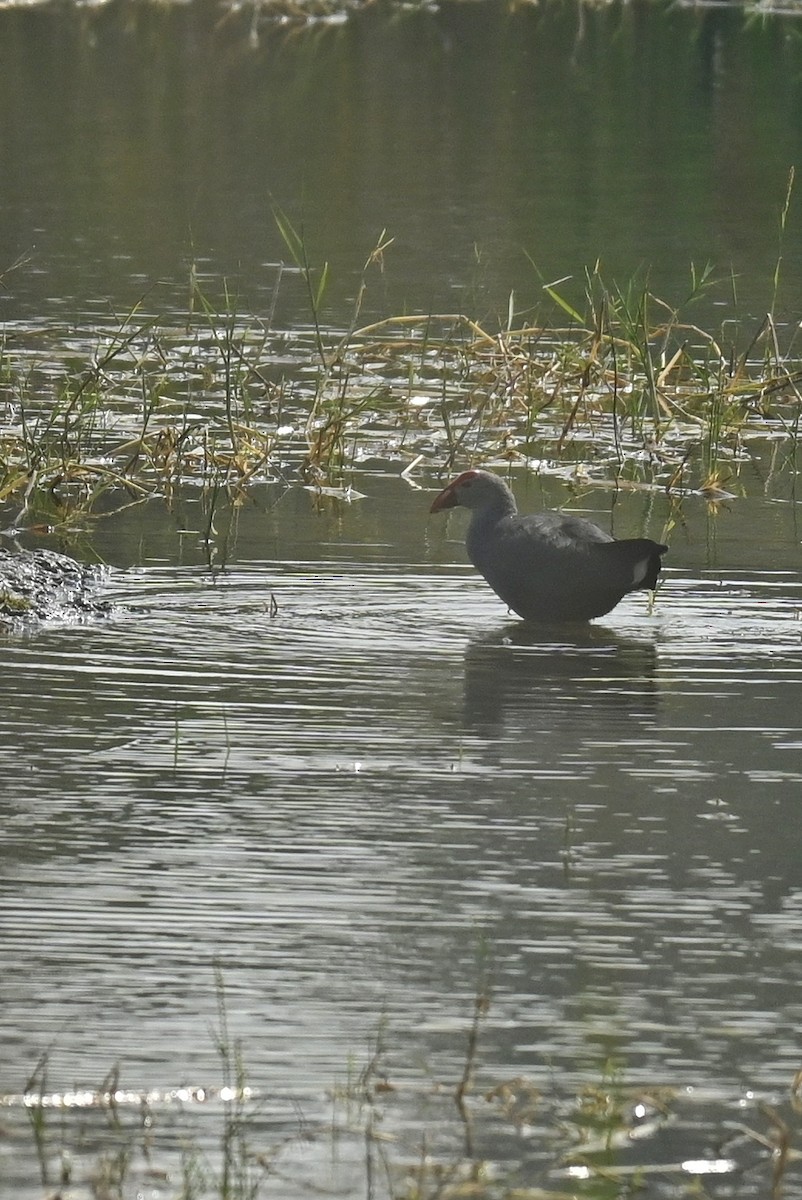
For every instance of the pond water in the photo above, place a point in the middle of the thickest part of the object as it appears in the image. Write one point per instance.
(309, 792)
(381, 799)
(140, 139)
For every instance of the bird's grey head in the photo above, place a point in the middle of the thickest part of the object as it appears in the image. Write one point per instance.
(476, 490)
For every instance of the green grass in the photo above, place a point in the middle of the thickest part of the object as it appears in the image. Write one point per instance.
(630, 392)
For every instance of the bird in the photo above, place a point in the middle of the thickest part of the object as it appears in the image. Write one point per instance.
(549, 567)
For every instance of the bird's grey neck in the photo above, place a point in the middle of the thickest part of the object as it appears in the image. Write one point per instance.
(483, 521)
(503, 505)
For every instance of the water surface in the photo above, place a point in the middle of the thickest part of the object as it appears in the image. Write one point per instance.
(383, 799)
(140, 140)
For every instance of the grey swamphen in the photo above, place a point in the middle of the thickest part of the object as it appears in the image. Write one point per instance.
(550, 566)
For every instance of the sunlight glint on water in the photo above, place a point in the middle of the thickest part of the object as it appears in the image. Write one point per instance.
(341, 803)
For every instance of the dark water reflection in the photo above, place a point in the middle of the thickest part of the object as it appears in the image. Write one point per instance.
(140, 139)
(367, 803)
(547, 681)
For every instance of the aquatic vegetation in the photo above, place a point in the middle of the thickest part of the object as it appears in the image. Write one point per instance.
(629, 394)
(394, 1132)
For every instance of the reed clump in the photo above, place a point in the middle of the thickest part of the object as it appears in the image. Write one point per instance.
(627, 392)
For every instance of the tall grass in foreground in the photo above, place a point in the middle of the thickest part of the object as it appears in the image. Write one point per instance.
(437, 1139)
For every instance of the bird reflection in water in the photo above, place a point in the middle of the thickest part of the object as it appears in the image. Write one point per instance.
(542, 678)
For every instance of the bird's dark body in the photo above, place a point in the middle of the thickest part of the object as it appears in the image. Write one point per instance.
(548, 567)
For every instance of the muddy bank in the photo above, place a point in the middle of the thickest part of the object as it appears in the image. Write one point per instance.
(41, 586)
